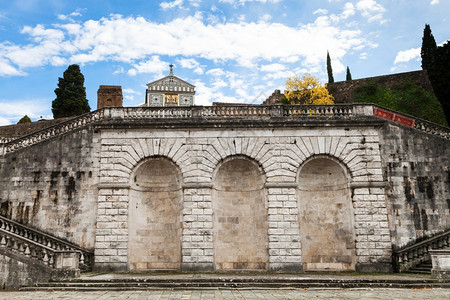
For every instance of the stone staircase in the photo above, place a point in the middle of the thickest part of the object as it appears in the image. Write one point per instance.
(235, 281)
(416, 258)
(33, 255)
(422, 268)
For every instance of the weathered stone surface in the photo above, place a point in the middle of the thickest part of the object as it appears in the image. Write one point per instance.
(232, 194)
(417, 171)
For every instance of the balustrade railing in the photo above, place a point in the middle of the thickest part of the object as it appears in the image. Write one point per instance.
(250, 112)
(155, 112)
(35, 244)
(53, 131)
(410, 256)
(432, 128)
(323, 111)
(239, 111)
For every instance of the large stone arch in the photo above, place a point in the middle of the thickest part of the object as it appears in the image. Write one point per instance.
(240, 215)
(326, 215)
(155, 215)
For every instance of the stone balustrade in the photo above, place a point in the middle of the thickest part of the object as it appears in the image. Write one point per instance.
(52, 131)
(38, 245)
(251, 111)
(432, 128)
(326, 111)
(411, 256)
(246, 112)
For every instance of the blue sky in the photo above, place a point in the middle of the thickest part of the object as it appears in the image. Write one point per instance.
(232, 50)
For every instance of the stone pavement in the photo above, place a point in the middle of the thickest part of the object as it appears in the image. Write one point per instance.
(266, 294)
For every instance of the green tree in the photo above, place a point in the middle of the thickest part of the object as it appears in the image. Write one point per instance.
(70, 94)
(348, 77)
(25, 119)
(427, 52)
(329, 69)
(439, 75)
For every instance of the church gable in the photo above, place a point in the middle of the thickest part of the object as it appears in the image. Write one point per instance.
(171, 83)
(170, 91)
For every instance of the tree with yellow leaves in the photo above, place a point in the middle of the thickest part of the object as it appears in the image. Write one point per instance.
(306, 90)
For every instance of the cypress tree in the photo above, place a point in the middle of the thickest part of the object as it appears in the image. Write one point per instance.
(439, 75)
(25, 119)
(70, 94)
(348, 77)
(427, 52)
(329, 69)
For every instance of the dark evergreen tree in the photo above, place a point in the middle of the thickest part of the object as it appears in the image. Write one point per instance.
(439, 75)
(329, 69)
(348, 77)
(428, 48)
(25, 119)
(70, 94)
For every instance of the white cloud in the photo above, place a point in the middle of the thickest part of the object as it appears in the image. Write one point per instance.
(13, 111)
(371, 10)
(216, 72)
(407, 55)
(170, 5)
(320, 11)
(195, 3)
(273, 68)
(242, 2)
(153, 65)
(4, 121)
(266, 18)
(206, 95)
(140, 42)
(190, 63)
(434, 2)
(7, 70)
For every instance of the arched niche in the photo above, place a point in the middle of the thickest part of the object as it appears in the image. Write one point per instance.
(326, 216)
(155, 213)
(240, 216)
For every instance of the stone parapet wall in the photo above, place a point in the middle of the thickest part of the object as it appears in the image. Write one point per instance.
(417, 170)
(53, 186)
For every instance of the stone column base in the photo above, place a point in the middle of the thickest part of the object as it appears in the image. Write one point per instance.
(374, 268)
(110, 267)
(197, 267)
(286, 267)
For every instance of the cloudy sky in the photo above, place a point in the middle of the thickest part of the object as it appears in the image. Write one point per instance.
(232, 50)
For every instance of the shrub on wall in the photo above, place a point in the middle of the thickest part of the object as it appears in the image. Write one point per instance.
(407, 98)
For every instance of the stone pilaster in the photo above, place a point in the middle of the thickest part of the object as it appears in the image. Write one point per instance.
(284, 236)
(373, 239)
(197, 245)
(111, 237)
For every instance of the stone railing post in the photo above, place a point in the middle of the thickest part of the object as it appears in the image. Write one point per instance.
(441, 264)
(363, 109)
(276, 111)
(197, 111)
(67, 260)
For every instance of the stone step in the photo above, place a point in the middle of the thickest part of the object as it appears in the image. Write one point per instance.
(231, 283)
